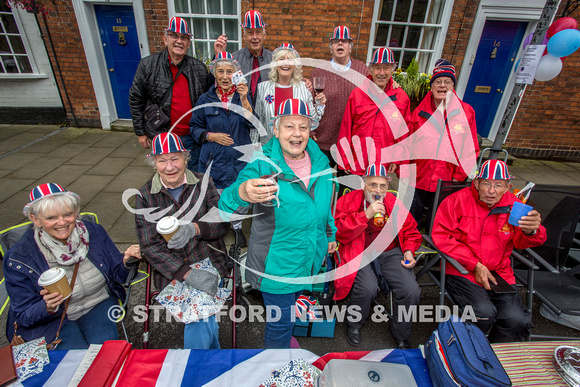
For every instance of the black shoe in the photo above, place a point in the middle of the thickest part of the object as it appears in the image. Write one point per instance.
(403, 344)
(241, 239)
(353, 336)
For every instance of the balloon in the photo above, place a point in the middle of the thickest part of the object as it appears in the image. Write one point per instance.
(548, 68)
(562, 24)
(564, 43)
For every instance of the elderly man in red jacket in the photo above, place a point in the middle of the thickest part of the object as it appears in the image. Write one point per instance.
(370, 114)
(472, 227)
(363, 238)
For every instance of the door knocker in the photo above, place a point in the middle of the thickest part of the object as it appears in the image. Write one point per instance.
(122, 40)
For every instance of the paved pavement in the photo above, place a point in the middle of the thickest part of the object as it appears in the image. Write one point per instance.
(99, 165)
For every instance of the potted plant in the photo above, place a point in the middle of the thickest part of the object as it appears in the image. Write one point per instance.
(33, 6)
(415, 83)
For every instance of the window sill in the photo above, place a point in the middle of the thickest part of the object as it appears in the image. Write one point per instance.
(23, 76)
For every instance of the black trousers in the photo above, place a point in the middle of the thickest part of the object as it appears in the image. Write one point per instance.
(422, 199)
(505, 314)
(401, 281)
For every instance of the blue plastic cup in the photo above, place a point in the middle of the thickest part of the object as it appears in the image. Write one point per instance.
(518, 210)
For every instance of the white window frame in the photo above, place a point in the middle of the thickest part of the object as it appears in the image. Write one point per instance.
(222, 17)
(18, 13)
(438, 41)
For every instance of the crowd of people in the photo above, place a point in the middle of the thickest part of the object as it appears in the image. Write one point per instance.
(269, 142)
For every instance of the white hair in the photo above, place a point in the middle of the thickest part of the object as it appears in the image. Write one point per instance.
(151, 159)
(63, 202)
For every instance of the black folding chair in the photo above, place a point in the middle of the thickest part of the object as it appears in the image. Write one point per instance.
(444, 189)
(557, 284)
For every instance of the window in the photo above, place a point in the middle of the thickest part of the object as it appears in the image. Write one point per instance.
(207, 20)
(13, 56)
(411, 28)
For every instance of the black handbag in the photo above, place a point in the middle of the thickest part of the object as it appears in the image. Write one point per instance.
(155, 119)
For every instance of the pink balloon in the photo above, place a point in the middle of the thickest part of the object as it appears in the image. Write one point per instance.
(564, 23)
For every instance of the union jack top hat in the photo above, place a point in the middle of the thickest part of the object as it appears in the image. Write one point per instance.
(295, 107)
(253, 19)
(494, 170)
(45, 190)
(288, 47)
(179, 25)
(222, 57)
(376, 170)
(341, 32)
(165, 143)
(383, 55)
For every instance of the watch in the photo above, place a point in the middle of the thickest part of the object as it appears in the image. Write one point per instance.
(533, 233)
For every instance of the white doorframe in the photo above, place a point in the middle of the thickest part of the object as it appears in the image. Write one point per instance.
(91, 38)
(494, 10)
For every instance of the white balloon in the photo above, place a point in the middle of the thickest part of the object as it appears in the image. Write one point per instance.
(548, 68)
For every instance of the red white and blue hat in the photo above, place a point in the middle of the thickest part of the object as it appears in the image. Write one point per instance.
(383, 55)
(253, 19)
(494, 170)
(221, 57)
(341, 32)
(376, 170)
(444, 69)
(44, 190)
(165, 143)
(179, 25)
(288, 47)
(295, 107)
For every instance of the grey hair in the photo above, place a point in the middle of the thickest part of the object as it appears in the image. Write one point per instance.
(277, 122)
(296, 75)
(61, 201)
(234, 67)
(151, 159)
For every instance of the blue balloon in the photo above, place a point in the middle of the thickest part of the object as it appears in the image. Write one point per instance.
(564, 43)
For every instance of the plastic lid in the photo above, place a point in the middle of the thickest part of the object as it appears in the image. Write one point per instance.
(51, 276)
(167, 225)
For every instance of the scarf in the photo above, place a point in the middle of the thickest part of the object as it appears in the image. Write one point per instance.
(75, 250)
(224, 95)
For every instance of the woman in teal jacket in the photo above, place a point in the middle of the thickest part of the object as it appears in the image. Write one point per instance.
(290, 238)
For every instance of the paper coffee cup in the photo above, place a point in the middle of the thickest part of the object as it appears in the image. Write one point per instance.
(167, 227)
(54, 280)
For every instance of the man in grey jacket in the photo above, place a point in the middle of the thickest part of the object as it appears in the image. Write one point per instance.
(253, 55)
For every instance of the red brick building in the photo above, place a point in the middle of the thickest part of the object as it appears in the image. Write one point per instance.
(91, 47)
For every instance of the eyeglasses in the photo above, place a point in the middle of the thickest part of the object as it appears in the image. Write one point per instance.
(440, 82)
(183, 38)
(375, 186)
(343, 41)
(497, 186)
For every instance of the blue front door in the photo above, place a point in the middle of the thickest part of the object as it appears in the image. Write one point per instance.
(496, 55)
(121, 48)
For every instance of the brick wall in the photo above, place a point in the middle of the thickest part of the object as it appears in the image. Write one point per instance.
(308, 24)
(65, 35)
(548, 120)
(156, 18)
(547, 123)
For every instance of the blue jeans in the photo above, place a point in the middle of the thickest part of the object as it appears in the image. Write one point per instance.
(202, 334)
(279, 333)
(194, 149)
(94, 327)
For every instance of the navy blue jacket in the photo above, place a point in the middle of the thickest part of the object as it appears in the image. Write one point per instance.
(23, 265)
(226, 166)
